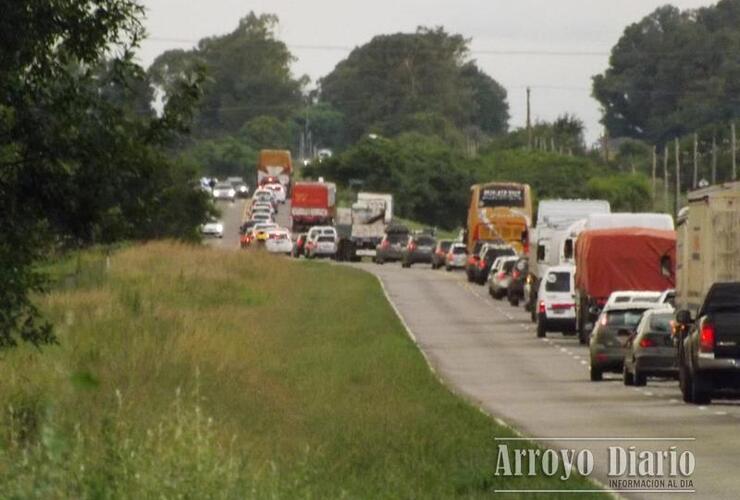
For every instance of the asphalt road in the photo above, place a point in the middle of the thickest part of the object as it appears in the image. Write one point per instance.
(232, 215)
(488, 351)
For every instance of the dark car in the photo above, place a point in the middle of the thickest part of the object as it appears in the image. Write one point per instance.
(471, 267)
(300, 246)
(418, 249)
(440, 253)
(515, 292)
(650, 352)
(488, 255)
(392, 244)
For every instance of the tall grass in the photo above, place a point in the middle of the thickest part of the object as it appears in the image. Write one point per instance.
(188, 372)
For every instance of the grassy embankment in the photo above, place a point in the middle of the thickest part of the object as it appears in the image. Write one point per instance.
(190, 372)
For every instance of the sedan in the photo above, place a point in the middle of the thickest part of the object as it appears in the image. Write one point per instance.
(650, 351)
(279, 242)
(224, 192)
(440, 252)
(456, 257)
(418, 250)
(500, 276)
(213, 228)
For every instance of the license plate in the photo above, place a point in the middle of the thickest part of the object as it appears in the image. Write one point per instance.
(366, 253)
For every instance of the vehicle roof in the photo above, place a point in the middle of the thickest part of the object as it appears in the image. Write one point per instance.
(565, 268)
(636, 293)
(625, 306)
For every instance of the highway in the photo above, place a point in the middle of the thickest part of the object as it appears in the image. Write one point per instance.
(488, 352)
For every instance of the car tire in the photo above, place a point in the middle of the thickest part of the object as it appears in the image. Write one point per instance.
(513, 300)
(596, 374)
(448, 268)
(541, 330)
(470, 278)
(405, 264)
(639, 378)
(684, 383)
(701, 391)
(627, 377)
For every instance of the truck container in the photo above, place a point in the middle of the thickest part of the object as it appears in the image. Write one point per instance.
(313, 204)
(608, 260)
(275, 165)
(708, 293)
(371, 214)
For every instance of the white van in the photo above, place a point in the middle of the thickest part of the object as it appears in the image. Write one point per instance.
(556, 305)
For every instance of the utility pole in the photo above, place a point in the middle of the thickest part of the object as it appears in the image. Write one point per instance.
(677, 202)
(552, 144)
(655, 166)
(714, 159)
(695, 179)
(529, 121)
(665, 178)
(605, 145)
(733, 146)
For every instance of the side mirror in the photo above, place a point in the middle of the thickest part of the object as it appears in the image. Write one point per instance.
(683, 317)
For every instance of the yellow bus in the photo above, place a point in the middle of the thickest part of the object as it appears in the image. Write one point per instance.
(500, 211)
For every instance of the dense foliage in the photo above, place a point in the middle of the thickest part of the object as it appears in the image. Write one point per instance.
(673, 72)
(82, 156)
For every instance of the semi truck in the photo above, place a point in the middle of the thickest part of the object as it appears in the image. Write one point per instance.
(608, 260)
(708, 293)
(370, 216)
(275, 166)
(313, 204)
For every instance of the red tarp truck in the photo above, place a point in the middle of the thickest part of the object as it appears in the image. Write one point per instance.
(274, 165)
(313, 204)
(608, 260)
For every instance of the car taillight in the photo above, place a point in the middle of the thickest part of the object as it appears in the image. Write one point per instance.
(449, 255)
(501, 275)
(541, 307)
(603, 320)
(706, 337)
(385, 244)
(646, 342)
(412, 247)
(471, 260)
(482, 264)
(516, 275)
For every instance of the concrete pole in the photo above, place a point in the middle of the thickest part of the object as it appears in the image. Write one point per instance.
(665, 178)
(695, 179)
(733, 141)
(655, 166)
(677, 201)
(714, 159)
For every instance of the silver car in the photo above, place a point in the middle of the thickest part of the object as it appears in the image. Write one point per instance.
(650, 351)
(456, 257)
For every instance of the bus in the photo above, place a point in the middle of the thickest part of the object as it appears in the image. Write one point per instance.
(500, 211)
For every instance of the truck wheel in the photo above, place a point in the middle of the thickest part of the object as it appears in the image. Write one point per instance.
(640, 379)
(627, 377)
(541, 331)
(596, 374)
(701, 391)
(684, 382)
(513, 300)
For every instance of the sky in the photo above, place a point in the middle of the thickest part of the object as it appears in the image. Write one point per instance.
(552, 46)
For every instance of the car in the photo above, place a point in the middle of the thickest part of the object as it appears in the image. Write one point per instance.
(456, 257)
(241, 187)
(471, 265)
(608, 342)
(260, 232)
(440, 252)
(321, 245)
(556, 305)
(262, 210)
(390, 247)
(622, 296)
(224, 191)
(299, 246)
(488, 254)
(668, 297)
(278, 190)
(213, 228)
(515, 292)
(500, 275)
(322, 230)
(279, 241)
(265, 196)
(262, 205)
(650, 351)
(418, 249)
(261, 218)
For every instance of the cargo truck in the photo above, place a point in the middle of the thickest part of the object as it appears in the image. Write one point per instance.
(707, 327)
(371, 215)
(275, 165)
(608, 260)
(313, 204)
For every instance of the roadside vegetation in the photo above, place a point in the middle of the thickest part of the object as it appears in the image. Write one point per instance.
(187, 372)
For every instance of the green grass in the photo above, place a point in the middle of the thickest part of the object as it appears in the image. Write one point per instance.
(193, 373)
(441, 233)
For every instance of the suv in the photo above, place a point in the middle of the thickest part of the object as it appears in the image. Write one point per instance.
(440, 253)
(456, 257)
(479, 268)
(556, 305)
(500, 276)
(391, 246)
(418, 249)
(709, 345)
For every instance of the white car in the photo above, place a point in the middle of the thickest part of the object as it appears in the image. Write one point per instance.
(279, 241)
(261, 210)
(456, 257)
(263, 204)
(499, 277)
(213, 228)
(264, 196)
(556, 304)
(321, 230)
(321, 245)
(623, 296)
(261, 217)
(278, 190)
(224, 191)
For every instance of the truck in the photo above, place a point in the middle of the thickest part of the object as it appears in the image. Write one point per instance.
(275, 165)
(707, 328)
(629, 258)
(313, 204)
(370, 216)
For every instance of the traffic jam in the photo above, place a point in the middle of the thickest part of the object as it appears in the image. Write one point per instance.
(651, 297)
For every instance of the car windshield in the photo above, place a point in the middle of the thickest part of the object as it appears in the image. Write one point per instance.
(628, 318)
(459, 250)
(397, 237)
(508, 266)
(326, 239)
(661, 323)
(558, 282)
(724, 297)
(425, 241)
(445, 245)
(223, 186)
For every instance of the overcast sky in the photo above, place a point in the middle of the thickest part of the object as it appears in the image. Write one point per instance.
(520, 43)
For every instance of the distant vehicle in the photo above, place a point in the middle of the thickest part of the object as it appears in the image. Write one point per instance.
(610, 335)
(555, 303)
(370, 215)
(279, 241)
(456, 257)
(650, 351)
(264, 196)
(316, 231)
(213, 228)
(474, 258)
(519, 274)
(263, 205)
(418, 249)
(261, 217)
(391, 246)
(440, 253)
(622, 296)
(299, 246)
(241, 187)
(609, 260)
(321, 245)
(708, 293)
(499, 277)
(488, 254)
(278, 190)
(324, 154)
(224, 191)
(500, 210)
(312, 204)
(668, 297)
(260, 232)
(274, 165)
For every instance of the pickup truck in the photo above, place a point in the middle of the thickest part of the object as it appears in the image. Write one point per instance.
(709, 345)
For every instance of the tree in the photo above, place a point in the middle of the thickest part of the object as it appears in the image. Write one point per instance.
(248, 76)
(82, 156)
(397, 76)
